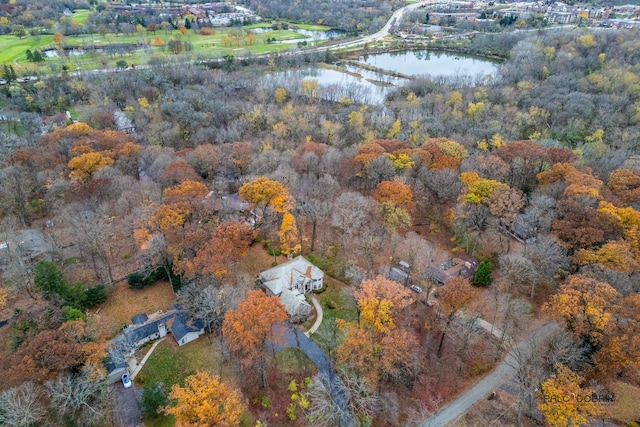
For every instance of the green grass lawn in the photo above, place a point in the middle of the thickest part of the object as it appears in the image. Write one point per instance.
(80, 16)
(293, 361)
(333, 301)
(170, 364)
(12, 49)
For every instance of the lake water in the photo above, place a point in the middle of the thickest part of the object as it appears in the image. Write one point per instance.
(433, 63)
(310, 35)
(371, 87)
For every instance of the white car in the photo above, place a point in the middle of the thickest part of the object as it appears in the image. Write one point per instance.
(416, 288)
(126, 381)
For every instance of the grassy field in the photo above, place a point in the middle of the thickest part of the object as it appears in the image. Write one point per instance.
(124, 303)
(170, 364)
(12, 49)
(80, 16)
(627, 403)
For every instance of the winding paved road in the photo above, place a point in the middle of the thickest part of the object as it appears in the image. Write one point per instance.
(503, 373)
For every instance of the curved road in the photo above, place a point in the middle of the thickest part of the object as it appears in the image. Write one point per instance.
(503, 373)
(382, 33)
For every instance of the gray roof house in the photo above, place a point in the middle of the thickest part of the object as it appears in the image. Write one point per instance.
(145, 328)
(183, 328)
(460, 265)
(291, 281)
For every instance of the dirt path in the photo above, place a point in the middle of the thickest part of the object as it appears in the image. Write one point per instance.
(502, 374)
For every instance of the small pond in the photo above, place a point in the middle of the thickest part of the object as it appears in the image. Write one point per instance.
(310, 35)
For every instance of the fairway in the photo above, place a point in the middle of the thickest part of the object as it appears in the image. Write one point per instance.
(79, 16)
(235, 40)
(12, 48)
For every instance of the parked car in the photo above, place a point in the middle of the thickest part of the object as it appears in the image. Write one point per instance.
(416, 288)
(126, 381)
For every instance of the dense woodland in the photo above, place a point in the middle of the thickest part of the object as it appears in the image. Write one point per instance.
(555, 135)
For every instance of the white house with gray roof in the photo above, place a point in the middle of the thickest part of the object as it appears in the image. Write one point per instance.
(291, 281)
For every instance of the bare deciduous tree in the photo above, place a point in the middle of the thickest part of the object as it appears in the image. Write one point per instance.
(21, 406)
(79, 398)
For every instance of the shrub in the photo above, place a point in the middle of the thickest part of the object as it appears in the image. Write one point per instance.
(207, 31)
(96, 295)
(71, 313)
(136, 281)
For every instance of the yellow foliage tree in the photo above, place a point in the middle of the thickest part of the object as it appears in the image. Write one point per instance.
(401, 161)
(288, 235)
(479, 189)
(78, 129)
(377, 313)
(394, 130)
(263, 193)
(205, 401)
(85, 165)
(280, 95)
(616, 255)
(166, 217)
(563, 401)
(475, 109)
(310, 87)
(455, 98)
(586, 306)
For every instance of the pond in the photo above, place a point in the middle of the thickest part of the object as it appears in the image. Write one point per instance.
(433, 63)
(371, 87)
(334, 85)
(310, 35)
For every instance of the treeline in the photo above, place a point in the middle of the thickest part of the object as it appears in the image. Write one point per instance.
(37, 15)
(351, 16)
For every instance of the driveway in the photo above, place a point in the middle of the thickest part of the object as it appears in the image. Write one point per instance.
(502, 374)
(294, 338)
(126, 404)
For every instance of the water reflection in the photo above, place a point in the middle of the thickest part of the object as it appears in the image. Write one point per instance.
(371, 87)
(432, 63)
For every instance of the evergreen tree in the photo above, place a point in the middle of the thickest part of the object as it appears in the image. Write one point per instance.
(482, 276)
(48, 278)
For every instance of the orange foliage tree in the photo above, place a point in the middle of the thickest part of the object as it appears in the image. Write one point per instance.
(455, 294)
(85, 165)
(374, 347)
(218, 254)
(247, 329)
(205, 401)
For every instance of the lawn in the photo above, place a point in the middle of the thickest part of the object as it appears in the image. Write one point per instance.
(12, 49)
(334, 302)
(170, 364)
(80, 16)
(627, 403)
(124, 303)
(294, 361)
